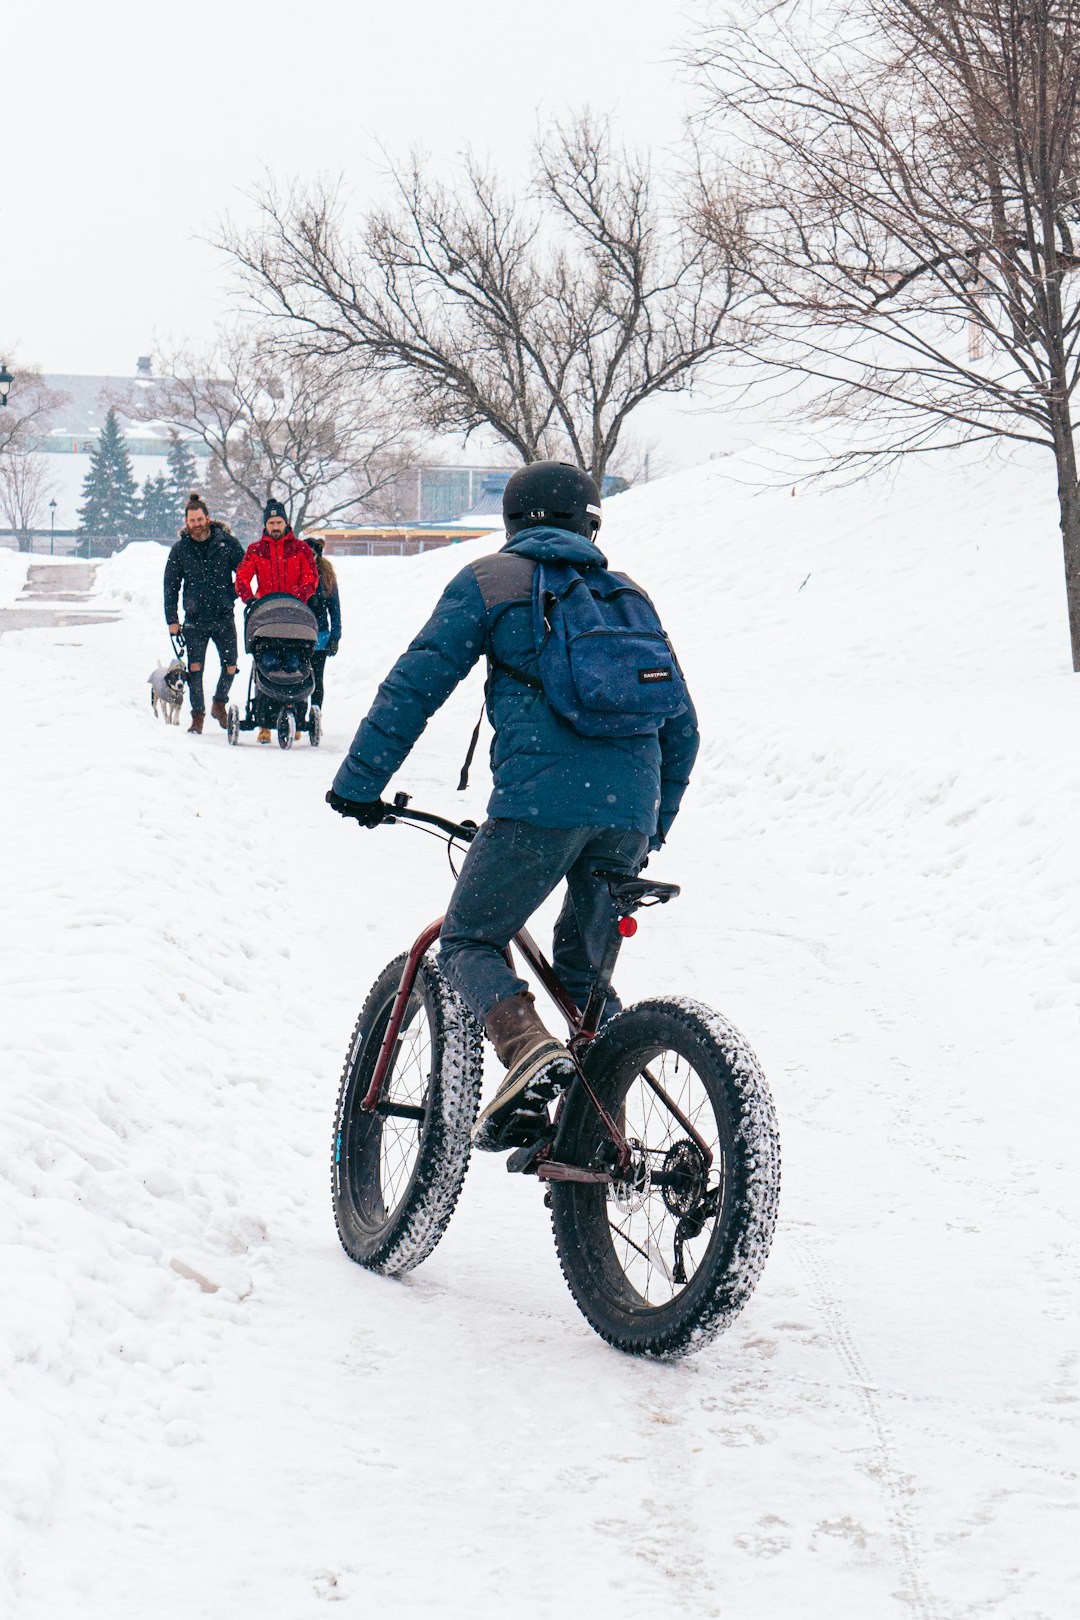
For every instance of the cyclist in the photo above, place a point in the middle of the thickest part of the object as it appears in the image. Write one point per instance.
(563, 804)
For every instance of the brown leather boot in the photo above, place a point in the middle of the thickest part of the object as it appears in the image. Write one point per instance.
(196, 724)
(539, 1068)
(220, 713)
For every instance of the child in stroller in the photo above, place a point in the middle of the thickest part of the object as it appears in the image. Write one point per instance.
(280, 634)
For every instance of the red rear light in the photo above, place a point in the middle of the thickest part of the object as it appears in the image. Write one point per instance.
(627, 927)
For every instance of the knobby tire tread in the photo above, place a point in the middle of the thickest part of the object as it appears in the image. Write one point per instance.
(446, 1141)
(707, 1309)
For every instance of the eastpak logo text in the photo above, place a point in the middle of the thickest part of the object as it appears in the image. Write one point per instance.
(644, 675)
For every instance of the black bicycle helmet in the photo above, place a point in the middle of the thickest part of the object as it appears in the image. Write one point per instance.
(555, 493)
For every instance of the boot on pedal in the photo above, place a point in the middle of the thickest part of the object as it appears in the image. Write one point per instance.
(539, 1068)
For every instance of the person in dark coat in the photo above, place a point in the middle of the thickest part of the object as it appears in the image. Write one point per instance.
(326, 606)
(562, 806)
(204, 561)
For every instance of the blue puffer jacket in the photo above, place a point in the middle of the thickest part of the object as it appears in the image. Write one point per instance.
(327, 611)
(544, 772)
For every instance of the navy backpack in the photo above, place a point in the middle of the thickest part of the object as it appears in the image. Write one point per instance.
(606, 666)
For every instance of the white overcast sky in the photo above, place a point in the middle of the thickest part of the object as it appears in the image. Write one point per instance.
(130, 129)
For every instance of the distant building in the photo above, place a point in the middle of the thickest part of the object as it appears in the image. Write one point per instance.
(436, 493)
(433, 492)
(74, 427)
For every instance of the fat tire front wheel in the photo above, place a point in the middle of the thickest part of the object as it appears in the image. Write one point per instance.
(666, 1259)
(396, 1177)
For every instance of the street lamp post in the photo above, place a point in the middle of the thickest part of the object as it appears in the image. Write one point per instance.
(52, 526)
(6, 380)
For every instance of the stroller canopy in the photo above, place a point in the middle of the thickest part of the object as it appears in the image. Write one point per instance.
(280, 617)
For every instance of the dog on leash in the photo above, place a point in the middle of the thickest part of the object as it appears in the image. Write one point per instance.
(167, 691)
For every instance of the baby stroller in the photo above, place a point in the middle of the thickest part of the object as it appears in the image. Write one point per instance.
(280, 633)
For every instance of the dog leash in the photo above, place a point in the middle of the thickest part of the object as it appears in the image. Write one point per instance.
(178, 643)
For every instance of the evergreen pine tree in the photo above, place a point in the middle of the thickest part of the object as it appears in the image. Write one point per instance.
(157, 515)
(146, 496)
(181, 477)
(110, 494)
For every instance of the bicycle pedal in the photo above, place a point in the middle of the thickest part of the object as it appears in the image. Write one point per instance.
(523, 1159)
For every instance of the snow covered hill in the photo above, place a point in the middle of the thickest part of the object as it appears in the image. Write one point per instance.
(206, 1411)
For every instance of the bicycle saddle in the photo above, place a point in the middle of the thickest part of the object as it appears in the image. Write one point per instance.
(631, 892)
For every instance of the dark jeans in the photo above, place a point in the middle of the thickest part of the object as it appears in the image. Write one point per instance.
(196, 638)
(510, 869)
(318, 666)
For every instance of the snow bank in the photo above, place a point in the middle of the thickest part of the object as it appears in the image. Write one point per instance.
(12, 575)
(206, 1409)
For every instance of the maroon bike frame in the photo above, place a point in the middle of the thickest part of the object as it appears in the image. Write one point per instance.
(580, 1037)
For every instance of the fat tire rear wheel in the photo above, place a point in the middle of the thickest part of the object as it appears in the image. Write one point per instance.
(396, 1181)
(315, 726)
(616, 1244)
(232, 730)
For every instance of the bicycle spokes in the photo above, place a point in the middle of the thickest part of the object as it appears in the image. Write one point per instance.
(662, 1212)
(402, 1106)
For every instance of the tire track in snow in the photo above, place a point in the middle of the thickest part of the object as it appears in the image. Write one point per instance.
(897, 1486)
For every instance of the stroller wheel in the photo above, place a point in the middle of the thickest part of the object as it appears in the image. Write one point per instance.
(315, 726)
(232, 728)
(286, 728)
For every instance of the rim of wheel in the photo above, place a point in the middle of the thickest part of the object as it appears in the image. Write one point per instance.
(664, 1215)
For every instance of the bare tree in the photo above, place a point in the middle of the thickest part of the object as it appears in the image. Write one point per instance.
(911, 173)
(309, 431)
(25, 485)
(548, 320)
(30, 403)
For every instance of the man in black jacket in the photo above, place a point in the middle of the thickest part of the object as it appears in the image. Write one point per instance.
(204, 560)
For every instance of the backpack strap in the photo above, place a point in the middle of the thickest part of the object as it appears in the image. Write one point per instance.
(516, 674)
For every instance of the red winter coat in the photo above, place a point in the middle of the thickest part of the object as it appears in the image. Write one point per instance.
(277, 565)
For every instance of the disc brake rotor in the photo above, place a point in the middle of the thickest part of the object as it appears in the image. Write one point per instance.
(632, 1193)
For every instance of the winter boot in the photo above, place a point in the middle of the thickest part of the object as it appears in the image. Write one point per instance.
(539, 1068)
(220, 713)
(196, 724)
(264, 734)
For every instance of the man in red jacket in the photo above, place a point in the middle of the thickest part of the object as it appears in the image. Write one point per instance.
(277, 562)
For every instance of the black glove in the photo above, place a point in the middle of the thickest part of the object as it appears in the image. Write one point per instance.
(659, 837)
(331, 648)
(368, 812)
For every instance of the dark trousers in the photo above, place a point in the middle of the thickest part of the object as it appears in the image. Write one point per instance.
(510, 869)
(196, 638)
(318, 666)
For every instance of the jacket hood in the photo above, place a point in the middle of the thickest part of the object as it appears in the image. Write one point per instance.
(217, 529)
(544, 544)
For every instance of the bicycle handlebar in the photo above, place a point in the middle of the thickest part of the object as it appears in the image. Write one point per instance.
(465, 830)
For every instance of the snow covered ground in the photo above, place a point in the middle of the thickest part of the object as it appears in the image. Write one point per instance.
(205, 1410)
